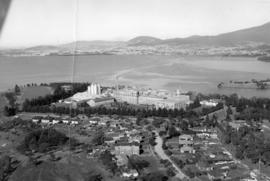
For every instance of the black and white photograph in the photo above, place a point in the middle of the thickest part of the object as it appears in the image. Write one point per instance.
(134, 90)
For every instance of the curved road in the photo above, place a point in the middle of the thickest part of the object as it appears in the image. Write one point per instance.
(159, 150)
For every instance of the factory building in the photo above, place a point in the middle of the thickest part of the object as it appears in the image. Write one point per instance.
(100, 101)
(157, 99)
(127, 95)
(93, 91)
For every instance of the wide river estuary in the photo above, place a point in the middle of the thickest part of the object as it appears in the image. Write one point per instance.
(200, 74)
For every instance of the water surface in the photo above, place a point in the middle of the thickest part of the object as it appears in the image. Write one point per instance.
(201, 74)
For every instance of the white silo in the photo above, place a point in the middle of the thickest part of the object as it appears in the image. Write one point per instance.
(98, 89)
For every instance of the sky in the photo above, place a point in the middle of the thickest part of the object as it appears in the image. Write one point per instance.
(52, 22)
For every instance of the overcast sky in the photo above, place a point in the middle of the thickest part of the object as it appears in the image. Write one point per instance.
(37, 22)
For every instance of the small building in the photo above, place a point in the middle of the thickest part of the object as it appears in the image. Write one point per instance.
(36, 119)
(236, 124)
(65, 121)
(93, 122)
(66, 88)
(130, 173)
(109, 140)
(185, 140)
(74, 122)
(187, 149)
(209, 103)
(173, 143)
(55, 121)
(46, 120)
(127, 149)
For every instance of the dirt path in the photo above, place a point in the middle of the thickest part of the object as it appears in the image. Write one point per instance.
(159, 150)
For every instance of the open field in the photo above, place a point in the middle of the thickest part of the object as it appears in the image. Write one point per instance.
(34, 92)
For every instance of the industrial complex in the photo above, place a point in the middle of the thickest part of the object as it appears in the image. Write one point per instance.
(96, 96)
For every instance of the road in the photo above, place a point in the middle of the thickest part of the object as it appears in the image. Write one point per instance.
(159, 150)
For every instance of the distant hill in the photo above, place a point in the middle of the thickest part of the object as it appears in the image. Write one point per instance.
(259, 34)
(253, 41)
(144, 40)
(86, 45)
(42, 48)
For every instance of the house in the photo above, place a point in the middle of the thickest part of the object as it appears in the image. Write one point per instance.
(55, 121)
(114, 135)
(134, 138)
(46, 120)
(109, 140)
(102, 122)
(173, 143)
(74, 122)
(186, 140)
(92, 122)
(130, 173)
(236, 124)
(65, 121)
(66, 88)
(209, 103)
(36, 119)
(204, 165)
(187, 149)
(127, 149)
(207, 133)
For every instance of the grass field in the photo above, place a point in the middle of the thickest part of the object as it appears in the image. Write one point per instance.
(33, 92)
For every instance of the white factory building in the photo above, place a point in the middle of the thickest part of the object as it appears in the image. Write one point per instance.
(92, 96)
(155, 98)
(93, 91)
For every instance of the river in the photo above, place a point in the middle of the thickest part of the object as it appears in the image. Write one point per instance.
(200, 74)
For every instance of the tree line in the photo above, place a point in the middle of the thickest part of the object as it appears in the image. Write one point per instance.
(248, 141)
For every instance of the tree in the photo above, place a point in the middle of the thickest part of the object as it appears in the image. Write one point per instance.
(239, 153)
(155, 176)
(93, 176)
(183, 125)
(152, 140)
(195, 104)
(99, 138)
(5, 167)
(171, 172)
(108, 160)
(17, 89)
(9, 111)
(157, 122)
(172, 132)
(229, 110)
(136, 162)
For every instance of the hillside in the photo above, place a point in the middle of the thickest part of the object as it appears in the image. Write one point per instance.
(253, 41)
(259, 34)
(86, 45)
(144, 40)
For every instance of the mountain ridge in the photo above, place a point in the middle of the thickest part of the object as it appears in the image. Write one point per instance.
(259, 34)
(252, 41)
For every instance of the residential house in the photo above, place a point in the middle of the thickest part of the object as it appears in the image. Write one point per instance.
(127, 149)
(187, 149)
(173, 143)
(186, 140)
